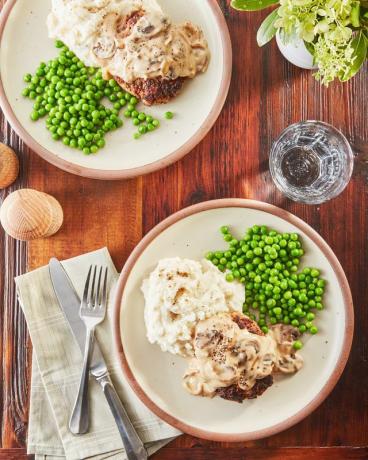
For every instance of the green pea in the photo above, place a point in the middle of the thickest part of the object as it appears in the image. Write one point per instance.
(303, 298)
(310, 316)
(81, 142)
(297, 345)
(35, 115)
(271, 303)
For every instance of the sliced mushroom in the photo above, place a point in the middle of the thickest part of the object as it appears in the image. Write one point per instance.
(104, 47)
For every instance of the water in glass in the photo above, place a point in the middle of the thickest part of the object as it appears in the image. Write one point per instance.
(311, 162)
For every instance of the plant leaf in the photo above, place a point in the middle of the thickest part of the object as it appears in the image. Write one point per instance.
(355, 14)
(359, 44)
(252, 5)
(310, 48)
(267, 30)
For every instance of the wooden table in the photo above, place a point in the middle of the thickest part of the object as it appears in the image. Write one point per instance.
(266, 95)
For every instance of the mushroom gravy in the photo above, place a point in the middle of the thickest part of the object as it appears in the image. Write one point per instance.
(101, 34)
(226, 355)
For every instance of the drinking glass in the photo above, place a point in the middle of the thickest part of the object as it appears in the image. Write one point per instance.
(311, 162)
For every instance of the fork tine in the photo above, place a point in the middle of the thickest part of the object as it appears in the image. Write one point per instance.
(98, 288)
(86, 286)
(104, 292)
(92, 293)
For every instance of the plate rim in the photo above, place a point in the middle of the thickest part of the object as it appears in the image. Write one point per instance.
(179, 153)
(342, 280)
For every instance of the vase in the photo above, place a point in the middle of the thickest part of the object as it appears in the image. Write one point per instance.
(296, 53)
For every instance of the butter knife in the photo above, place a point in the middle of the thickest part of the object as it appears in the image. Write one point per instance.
(70, 303)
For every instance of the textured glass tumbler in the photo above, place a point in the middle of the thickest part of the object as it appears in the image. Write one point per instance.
(311, 162)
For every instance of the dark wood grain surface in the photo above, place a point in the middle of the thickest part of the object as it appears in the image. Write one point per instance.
(266, 95)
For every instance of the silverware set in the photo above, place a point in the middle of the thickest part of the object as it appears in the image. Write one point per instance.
(83, 318)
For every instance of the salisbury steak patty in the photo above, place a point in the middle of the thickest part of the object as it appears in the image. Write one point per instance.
(246, 323)
(235, 360)
(235, 393)
(153, 90)
(150, 90)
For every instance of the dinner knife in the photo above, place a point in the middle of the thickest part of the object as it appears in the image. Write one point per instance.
(70, 304)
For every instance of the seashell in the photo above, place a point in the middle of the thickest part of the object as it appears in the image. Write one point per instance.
(27, 214)
(9, 166)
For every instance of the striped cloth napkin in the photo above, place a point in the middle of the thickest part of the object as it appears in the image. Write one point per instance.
(56, 368)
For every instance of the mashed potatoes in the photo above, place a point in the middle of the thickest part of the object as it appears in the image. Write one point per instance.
(181, 292)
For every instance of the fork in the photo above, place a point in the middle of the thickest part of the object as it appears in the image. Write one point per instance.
(92, 312)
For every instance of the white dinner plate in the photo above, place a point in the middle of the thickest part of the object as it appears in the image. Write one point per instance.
(24, 43)
(156, 376)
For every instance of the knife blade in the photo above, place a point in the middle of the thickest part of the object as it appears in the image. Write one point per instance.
(70, 304)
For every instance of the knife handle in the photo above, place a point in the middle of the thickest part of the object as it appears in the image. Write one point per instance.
(134, 447)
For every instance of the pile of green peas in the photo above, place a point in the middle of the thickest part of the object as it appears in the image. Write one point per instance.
(69, 94)
(276, 291)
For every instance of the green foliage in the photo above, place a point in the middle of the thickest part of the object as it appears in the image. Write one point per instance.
(335, 32)
(359, 45)
(267, 29)
(252, 5)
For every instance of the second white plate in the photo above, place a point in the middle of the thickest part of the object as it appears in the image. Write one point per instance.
(157, 377)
